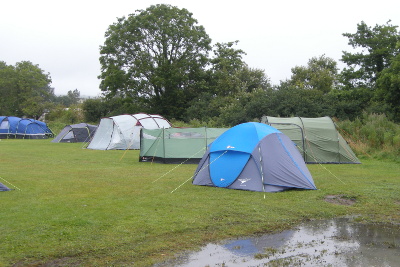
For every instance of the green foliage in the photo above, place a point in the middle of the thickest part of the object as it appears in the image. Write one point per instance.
(71, 115)
(320, 74)
(388, 87)
(24, 90)
(155, 56)
(373, 135)
(80, 207)
(378, 46)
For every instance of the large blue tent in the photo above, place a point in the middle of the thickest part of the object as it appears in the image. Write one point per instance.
(20, 128)
(256, 157)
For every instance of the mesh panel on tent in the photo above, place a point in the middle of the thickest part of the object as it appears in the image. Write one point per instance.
(176, 145)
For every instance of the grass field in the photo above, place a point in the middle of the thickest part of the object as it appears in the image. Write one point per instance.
(80, 207)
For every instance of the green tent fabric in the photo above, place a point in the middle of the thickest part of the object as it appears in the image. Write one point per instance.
(176, 145)
(316, 138)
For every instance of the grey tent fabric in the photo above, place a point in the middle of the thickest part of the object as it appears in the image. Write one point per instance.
(4, 188)
(75, 133)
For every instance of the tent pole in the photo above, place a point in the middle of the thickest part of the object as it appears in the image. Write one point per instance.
(261, 170)
(163, 131)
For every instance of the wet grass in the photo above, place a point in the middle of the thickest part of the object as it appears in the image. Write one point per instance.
(79, 207)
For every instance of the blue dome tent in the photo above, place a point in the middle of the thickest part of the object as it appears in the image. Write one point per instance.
(256, 157)
(19, 128)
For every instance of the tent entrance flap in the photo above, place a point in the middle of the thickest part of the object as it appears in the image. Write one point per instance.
(223, 176)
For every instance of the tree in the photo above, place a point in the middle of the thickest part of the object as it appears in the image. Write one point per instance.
(74, 96)
(156, 56)
(321, 73)
(388, 88)
(225, 64)
(25, 89)
(376, 48)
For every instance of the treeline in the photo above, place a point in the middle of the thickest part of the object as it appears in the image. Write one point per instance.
(159, 60)
(25, 91)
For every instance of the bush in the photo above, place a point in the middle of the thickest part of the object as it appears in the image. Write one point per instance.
(373, 135)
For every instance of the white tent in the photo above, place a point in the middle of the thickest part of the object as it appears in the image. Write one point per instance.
(123, 131)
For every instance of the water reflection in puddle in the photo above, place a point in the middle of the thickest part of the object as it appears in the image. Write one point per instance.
(336, 242)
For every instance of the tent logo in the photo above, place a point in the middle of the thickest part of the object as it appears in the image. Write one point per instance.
(230, 147)
(243, 181)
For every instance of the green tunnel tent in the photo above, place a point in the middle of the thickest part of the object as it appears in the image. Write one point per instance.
(317, 139)
(176, 145)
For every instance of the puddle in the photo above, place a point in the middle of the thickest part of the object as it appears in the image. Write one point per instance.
(337, 242)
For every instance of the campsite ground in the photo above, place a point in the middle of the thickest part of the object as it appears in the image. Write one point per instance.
(80, 207)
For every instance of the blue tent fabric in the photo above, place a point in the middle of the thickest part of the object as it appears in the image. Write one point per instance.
(20, 128)
(4, 188)
(255, 157)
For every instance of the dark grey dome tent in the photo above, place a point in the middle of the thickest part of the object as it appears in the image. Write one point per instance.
(76, 133)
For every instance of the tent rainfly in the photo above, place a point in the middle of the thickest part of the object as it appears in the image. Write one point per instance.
(19, 128)
(316, 138)
(253, 156)
(176, 145)
(4, 188)
(123, 131)
(75, 133)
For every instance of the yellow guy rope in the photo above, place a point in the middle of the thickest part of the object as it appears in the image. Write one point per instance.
(317, 161)
(199, 171)
(9, 183)
(177, 165)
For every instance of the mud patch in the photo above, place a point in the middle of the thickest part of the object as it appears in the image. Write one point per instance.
(340, 200)
(338, 242)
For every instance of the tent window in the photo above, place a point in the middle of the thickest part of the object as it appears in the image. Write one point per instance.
(186, 135)
(4, 125)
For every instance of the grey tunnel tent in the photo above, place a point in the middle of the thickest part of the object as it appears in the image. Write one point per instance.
(256, 157)
(123, 131)
(176, 145)
(317, 139)
(75, 133)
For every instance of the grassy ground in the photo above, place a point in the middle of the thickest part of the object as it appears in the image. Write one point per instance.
(80, 207)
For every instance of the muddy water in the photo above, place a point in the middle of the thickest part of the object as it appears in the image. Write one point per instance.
(337, 242)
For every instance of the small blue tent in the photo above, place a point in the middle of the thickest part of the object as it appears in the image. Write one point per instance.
(256, 157)
(19, 128)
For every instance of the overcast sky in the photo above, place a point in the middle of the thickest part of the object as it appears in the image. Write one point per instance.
(63, 37)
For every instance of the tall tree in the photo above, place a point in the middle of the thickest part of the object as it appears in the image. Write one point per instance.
(225, 64)
(155, 55)
(375, 46)
(321, 73)
(388, 88)
(25, 89)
